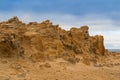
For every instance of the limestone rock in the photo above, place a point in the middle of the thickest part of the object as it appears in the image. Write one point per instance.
(5, 78)
(45, 40)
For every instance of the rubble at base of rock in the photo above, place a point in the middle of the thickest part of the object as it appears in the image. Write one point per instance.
(45, 41)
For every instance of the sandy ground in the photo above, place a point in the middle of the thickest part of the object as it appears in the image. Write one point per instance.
(58, 69)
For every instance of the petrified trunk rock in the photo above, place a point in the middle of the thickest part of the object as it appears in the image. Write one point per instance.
(100, 45)
(45, 40)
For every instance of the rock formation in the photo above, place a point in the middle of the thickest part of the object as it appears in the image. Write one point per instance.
(42, 41)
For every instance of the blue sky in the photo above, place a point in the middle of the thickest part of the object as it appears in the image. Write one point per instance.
(75, 7)
(102, 16)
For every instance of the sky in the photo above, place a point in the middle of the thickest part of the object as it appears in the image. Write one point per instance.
(102, 16)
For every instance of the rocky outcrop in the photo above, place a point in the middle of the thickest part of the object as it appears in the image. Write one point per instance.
(41, 41)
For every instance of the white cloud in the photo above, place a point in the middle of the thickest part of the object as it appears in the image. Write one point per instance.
(98, 24)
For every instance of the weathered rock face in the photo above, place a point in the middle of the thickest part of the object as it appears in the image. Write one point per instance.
(45, 40)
